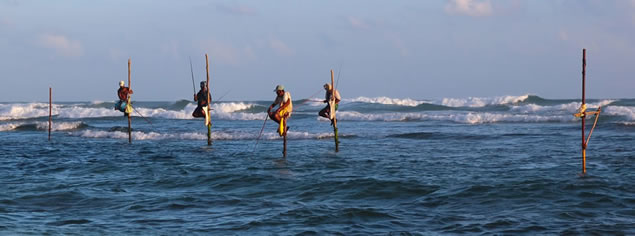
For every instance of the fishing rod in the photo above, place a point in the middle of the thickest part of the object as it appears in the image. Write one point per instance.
(262, 129)
(337, 82)
(192, 70)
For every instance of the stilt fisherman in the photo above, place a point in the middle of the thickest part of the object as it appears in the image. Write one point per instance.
(123, 94)
(201, 98)
(327, 97)
(285, 107)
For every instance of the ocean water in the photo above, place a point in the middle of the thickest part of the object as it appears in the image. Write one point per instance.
(497, 165)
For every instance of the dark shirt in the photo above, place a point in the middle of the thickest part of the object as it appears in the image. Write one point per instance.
(123, 93)
(201, 97)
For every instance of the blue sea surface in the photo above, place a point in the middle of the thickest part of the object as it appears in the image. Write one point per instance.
(498, 165)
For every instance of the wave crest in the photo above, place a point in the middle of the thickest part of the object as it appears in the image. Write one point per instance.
(569, 107)
(140, 135)
(388, 101)
(56, 126)
(483, 101)
(628, 112)
(19, 111)
(465, 117)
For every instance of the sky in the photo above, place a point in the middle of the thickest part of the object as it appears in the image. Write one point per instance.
(416, 49)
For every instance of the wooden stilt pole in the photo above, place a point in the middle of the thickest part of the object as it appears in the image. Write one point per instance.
(209, 104)
(337, 143)
(130, 88)
(50, 111)
(583, 115)
(284, 138)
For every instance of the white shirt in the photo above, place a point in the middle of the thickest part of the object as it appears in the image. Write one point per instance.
(284, 99)
(337, 95)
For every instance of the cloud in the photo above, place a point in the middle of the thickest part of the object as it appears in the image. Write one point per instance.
(281, 48)
(170, 48)
(398, 44)
(563, 35)
(469, 7)
(11, 3)
(226, 53)
(117, 54)
(240, 10)
(5, 21)
(61, 44)
(357, 23)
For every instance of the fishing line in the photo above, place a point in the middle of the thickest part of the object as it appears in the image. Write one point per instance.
(311, 97)
(259, 135)
(221, 97)
(134, 109)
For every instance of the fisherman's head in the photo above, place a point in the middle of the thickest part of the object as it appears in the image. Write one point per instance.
(203, 83)
(121, 83)
(327, 87)
(279, 90)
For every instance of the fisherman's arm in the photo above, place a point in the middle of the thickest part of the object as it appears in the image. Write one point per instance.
(271, 107)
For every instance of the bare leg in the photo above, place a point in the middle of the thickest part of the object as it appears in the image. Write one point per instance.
(198, 112)
(324, 111)
(274, 116)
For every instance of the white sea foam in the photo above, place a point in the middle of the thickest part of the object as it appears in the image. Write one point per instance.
(628, 112)
(75, 112)
(56, 126)
(231, 107)
(59, 126)
(228, 111)
(387, 101)
(568, 108)
(315, 102)
(23, 110)
(482, 101)
(139, 135)
(18, 111)
(462, 117)
(450, 102)
(9, 126)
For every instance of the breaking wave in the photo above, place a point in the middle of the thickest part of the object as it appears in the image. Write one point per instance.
(571, 107)
(464, 117)
(387, 101)
(473, 110)
(482, 102)
(19, 111)
(140, 135)
(628, 112)
(448, 102)
(55, 126)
